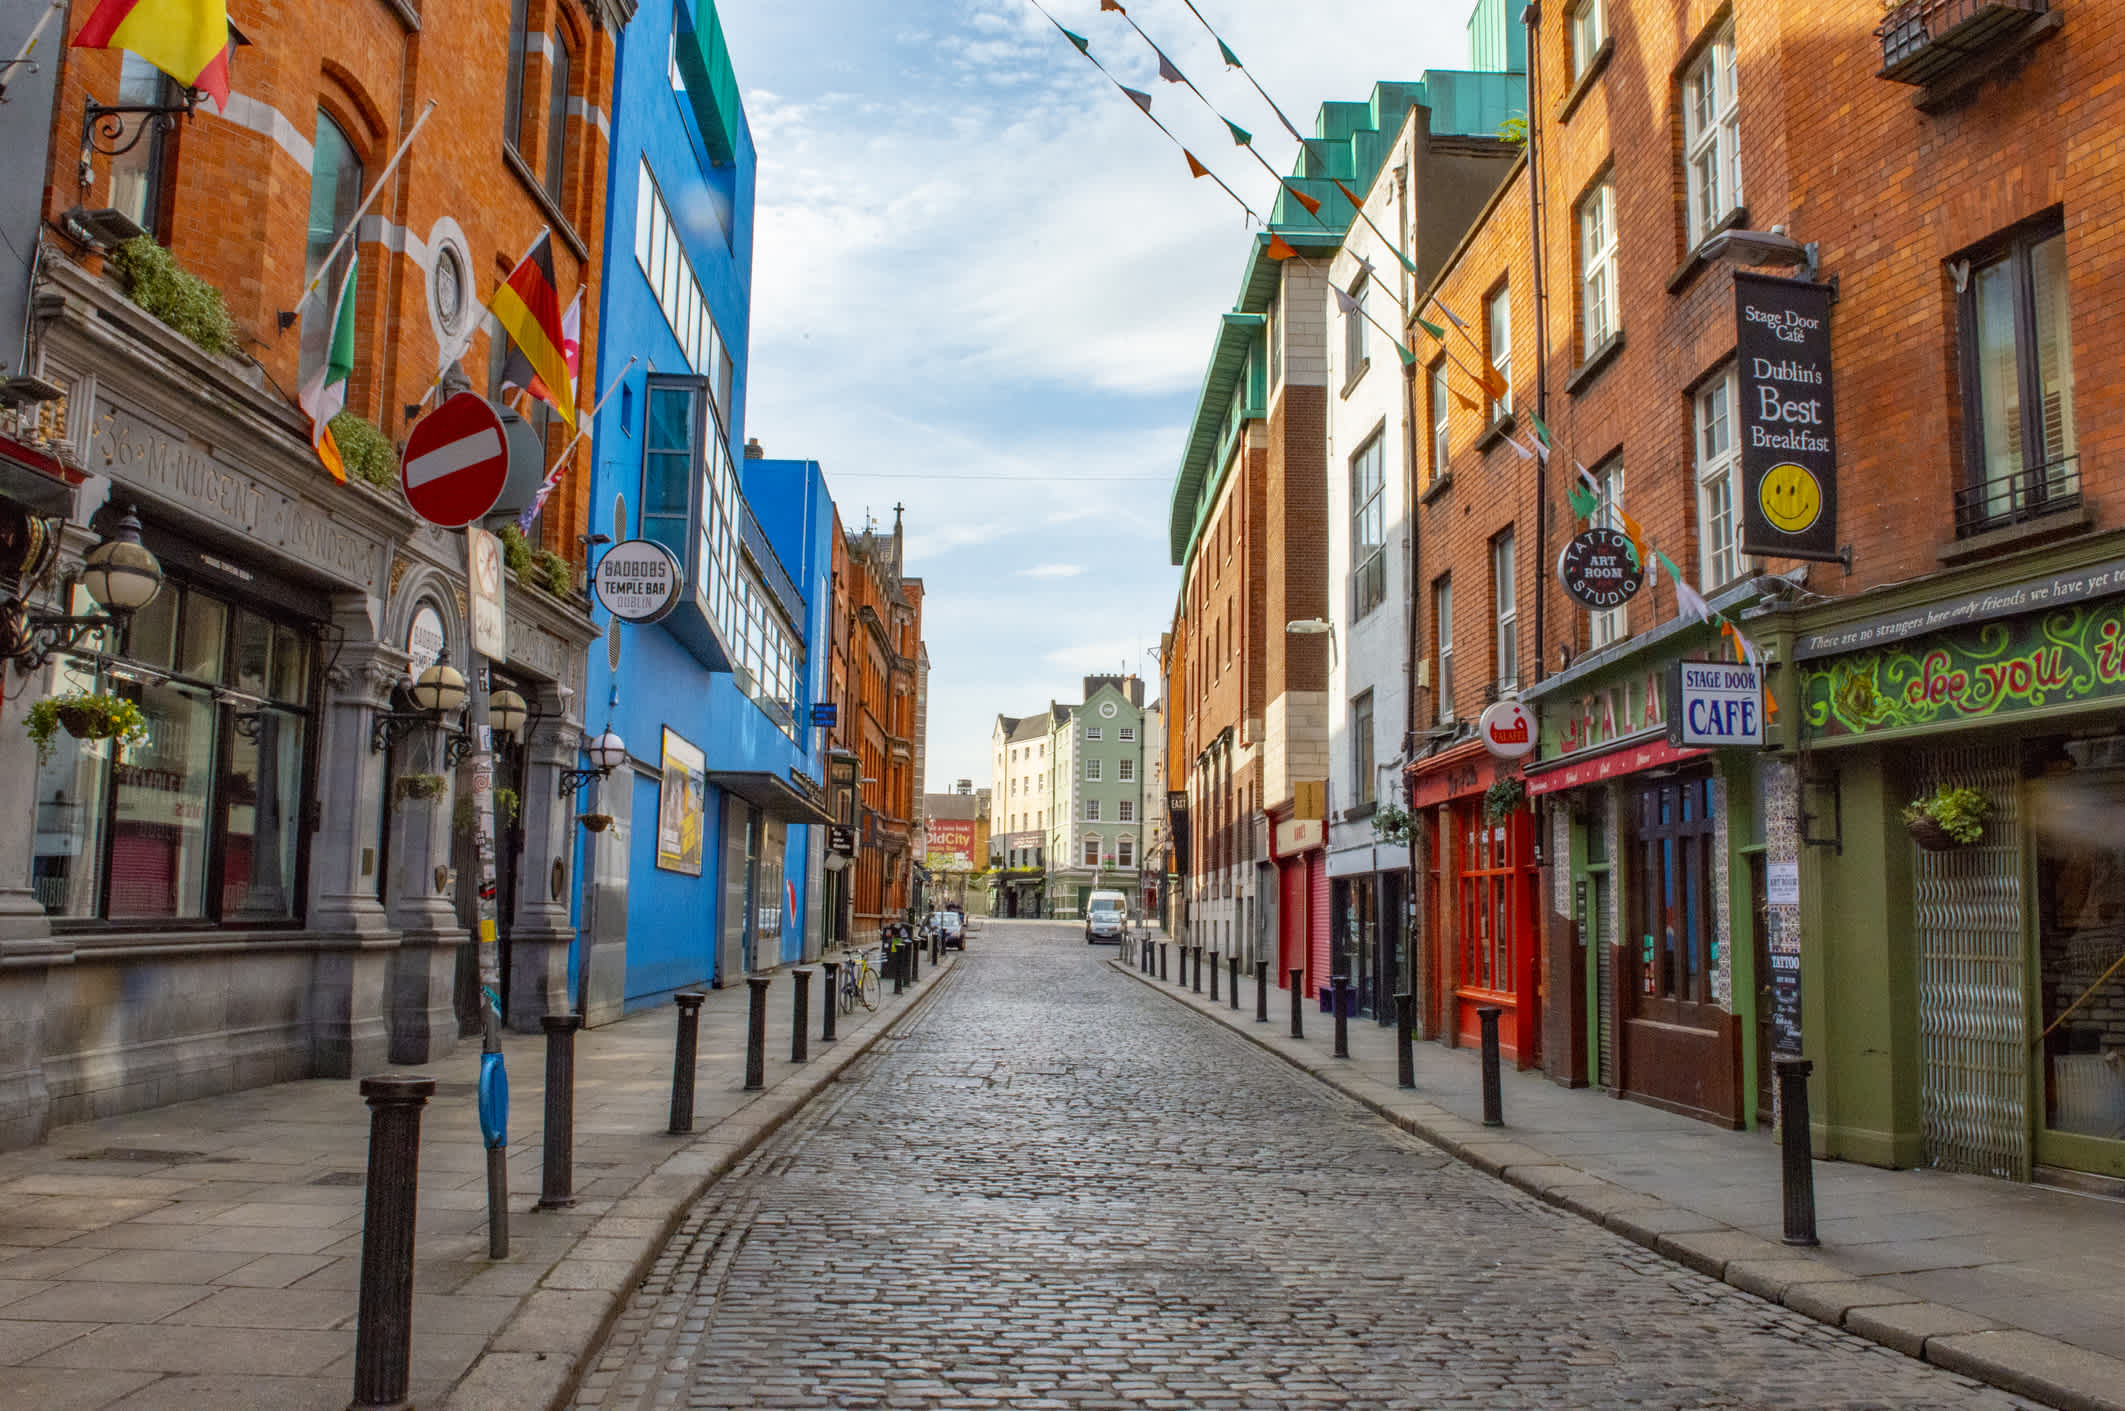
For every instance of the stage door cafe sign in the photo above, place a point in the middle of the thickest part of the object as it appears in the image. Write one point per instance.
(1786, 418)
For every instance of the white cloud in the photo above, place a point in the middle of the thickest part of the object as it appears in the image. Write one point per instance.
(1052, 570)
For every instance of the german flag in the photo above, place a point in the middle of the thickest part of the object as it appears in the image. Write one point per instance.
(528, 307)
(186, 39)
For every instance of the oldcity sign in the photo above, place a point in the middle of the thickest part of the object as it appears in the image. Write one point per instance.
(1507, 730)
(639, 581)
(1713, 703)
(1600, 569)
(455, 463)
(1786, 419)
(425, 640)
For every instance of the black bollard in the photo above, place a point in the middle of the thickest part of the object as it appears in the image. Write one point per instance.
(1213, 974)
(1164, 952)
(682, 1060)
(899, 966)
(1493, 1097)
(914, 944)
(800, 1017)
(829, 999)
(557, 1181)
(383, 1340)
(1339, 996)
(1405, 1040)
(1298, 1016)
(756, 1033)
(1797, 1176)
(1234, 975)
(1197, 987)
(1261, 992)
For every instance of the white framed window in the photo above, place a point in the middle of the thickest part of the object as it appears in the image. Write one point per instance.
(1125, 852)
(1128, 811)
(1711, 136)
(1091, 732)
(1612, 625)
(1368, 527)
(1439, 413)
(1506, 609)
(1354, 332)
(1498, 345)
(1092, 770)
(1718, 476)
(1590, 30)
(1091, 853)
(1128, 733)
(1091, 810)
(1442, 630)
(1598, 314)
(1126, 771)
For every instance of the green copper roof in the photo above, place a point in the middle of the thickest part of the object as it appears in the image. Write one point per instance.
(1237, 336)
(711, 83)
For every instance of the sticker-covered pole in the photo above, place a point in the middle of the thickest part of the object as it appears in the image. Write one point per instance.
(494, 1079)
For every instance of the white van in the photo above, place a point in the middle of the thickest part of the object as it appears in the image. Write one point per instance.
(1106, 917)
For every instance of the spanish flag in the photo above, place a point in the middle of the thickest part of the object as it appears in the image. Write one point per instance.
(529, 309)
(186, 39)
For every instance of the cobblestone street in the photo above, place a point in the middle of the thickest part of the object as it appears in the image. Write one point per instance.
(1054, 1188)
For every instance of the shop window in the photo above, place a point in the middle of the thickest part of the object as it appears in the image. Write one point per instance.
(2080, 878)
(201, 820)
(1368, 528)
(2020, 442)
(1711, 137)
(1673, 902)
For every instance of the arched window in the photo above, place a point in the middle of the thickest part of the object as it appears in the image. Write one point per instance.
(335, 190)
(557, 117)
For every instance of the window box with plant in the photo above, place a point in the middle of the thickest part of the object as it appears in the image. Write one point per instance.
(1949, 819)
(177, 299)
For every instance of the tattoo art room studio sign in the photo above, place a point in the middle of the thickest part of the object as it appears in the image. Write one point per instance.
(1786, 418)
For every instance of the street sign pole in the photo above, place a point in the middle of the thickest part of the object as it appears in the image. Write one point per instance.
(494, 1079)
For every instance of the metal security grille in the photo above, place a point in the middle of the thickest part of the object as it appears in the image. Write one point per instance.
(1974, 1079)
(1599, 956)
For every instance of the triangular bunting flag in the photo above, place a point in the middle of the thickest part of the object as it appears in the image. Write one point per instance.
(1313, 207)
(1583, 502)
(1523, 452)
(1494, 382)
(1408, 356)
(1084, 45)
(1464, 401)
(1357, 202)
(1241, 137)
(1438, 334)
(1346, 304)
(1142, 100)
(1166, 70)
(1195, 168)
(1688, 601)
(1232, 60)
(1279, 248)
(1541, 430)
(1114, 5)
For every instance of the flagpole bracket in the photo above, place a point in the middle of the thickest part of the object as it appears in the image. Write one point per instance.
(114, 129)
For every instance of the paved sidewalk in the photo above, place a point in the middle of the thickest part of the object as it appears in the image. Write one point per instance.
(207, 1254)
(2020, 1286)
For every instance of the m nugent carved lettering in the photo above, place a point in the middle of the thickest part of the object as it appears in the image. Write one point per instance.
(141, 456)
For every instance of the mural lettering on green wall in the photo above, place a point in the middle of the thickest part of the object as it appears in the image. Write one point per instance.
(1998, 668)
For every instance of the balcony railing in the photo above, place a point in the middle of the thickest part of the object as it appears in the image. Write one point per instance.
(1924, 41)
(2018, 498)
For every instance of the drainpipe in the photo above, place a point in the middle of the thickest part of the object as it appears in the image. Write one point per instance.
(1532, 18)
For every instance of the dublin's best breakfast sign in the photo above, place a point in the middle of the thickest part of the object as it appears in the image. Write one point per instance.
(1787, 418)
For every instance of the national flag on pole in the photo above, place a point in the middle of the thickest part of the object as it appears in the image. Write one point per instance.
(186, 39)
(518, 371)
(529, 309)
(328, 358)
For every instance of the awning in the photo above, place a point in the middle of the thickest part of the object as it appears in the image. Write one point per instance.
(1576, 770)
(35, 480)
(771, 794)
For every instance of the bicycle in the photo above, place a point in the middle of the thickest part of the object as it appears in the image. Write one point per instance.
(859, 982)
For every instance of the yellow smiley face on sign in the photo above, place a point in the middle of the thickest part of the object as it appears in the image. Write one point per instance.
(1791, 497)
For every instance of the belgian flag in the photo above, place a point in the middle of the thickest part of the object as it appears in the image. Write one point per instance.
(528, 307)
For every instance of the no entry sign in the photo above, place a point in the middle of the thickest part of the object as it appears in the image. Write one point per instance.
(456, 462)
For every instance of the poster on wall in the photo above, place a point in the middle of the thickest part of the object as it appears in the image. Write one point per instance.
(1787, 418)
(681, 806)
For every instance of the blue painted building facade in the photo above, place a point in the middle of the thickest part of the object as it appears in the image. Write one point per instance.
(694, 881)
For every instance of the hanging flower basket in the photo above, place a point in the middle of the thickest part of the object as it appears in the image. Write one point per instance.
(1952, 818)
(86, 715)
(1505, 797)
(419, 786)
(595, 822)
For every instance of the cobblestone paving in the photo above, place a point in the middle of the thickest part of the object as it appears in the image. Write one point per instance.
(1055, 1189)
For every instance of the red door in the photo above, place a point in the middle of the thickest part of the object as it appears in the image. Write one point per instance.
(1292, 912)
(1317, 964)
(1494, 902)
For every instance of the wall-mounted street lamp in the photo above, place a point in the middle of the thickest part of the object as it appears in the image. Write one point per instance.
(1316, 627)
(607, 753)
(506, 713)
(1761, 247)
(437, 693)
(120, 574)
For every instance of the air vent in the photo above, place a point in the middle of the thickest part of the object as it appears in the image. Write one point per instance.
(103, 227)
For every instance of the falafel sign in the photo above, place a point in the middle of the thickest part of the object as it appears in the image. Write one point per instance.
(1787, 419)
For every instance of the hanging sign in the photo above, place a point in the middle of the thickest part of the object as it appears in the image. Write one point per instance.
(1599, 568)
(1507, 729)
(826, 714)
(1787, 421)
(639, 581)
(1714, 703)
(456, 462)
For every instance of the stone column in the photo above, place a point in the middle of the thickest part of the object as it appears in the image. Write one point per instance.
(27, 948)
(422, 1010)
(349, 1034)
(540, 937)
(605, 856)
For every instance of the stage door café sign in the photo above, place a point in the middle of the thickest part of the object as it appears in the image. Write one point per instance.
(1786, 418)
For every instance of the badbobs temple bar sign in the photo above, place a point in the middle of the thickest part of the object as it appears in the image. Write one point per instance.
(1787, 418)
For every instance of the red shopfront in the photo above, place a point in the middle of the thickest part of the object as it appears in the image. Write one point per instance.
(1296, 844)
(1479, 911)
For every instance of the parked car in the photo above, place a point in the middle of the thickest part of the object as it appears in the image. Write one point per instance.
(1106, 917)
(951, 926)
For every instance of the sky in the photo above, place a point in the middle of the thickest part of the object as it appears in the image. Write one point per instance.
(984, 287)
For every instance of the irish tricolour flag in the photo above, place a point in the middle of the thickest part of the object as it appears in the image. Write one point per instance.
(327, 359)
